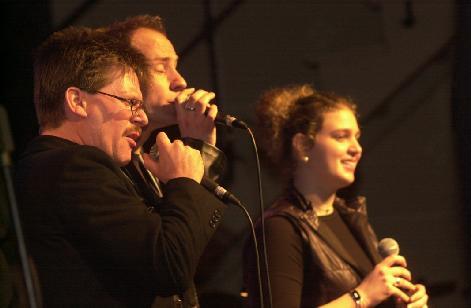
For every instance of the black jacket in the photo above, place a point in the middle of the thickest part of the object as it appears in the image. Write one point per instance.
(94, 240)
(328, 270)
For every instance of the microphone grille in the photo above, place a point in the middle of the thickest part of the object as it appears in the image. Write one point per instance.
(388, 247)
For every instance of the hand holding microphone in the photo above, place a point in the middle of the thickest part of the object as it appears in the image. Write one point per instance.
(196, 116)
(153, 158)
(389, 278)
(417, 293)
(174, 160)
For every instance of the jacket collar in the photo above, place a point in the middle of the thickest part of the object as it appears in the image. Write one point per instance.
(355, 216)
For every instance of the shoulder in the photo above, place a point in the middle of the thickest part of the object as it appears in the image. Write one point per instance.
(65, 160)
(281, 220)
(49, 148)
(356, 204)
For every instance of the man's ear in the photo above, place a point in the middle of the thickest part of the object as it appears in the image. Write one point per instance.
(301, 144)
(75, 102)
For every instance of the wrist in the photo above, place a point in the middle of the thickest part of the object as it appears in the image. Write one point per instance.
(356, 298)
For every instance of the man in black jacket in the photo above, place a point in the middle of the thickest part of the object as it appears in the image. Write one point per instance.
(95, 242)
(186, 113)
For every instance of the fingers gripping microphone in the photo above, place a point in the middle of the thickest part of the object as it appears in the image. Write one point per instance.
(209, 184)
(388, 247)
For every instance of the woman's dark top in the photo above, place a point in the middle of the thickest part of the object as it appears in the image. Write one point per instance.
(313, 260)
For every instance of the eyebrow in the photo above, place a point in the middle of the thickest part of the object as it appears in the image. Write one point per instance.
(164, 59)
(129, 95)
(346, 130)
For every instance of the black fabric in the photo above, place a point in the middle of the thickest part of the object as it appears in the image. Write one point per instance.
(307, 266)
(347, 241)
(94, 240)
(150, 188)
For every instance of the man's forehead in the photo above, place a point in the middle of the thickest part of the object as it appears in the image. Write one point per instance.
(126, 84)
(154, 45)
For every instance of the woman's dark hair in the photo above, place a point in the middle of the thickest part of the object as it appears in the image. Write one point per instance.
(285, 111)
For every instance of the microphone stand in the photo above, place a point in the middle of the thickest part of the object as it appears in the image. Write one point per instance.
(6, 164)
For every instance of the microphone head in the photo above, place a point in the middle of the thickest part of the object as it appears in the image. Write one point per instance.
(388, 247)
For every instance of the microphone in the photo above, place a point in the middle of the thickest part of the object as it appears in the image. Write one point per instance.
(228, 120)
(209, 184)
(388, 247)
(219, 191)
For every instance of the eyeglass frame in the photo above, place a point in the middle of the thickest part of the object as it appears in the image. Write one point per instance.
(134, 104)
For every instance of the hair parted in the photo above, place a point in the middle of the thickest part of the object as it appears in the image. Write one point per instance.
(80, 57)
(285, 111)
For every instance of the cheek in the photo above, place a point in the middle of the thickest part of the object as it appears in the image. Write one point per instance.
(159, 82)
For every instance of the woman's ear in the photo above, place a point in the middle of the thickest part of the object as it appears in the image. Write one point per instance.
(301, 144)
(75, 102)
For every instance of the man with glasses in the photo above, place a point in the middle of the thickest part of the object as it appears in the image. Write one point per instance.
(94, 241)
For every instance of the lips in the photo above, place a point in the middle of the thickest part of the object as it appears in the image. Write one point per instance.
(349, 164)
(132, 137)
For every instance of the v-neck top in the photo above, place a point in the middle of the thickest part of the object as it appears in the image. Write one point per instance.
(346, 240)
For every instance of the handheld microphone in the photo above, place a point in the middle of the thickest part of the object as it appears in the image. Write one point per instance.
(388, 247)
(228, 120)
(219, 191)
(209, 184)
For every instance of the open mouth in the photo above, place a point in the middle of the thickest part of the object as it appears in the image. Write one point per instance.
(349, 164)
(132, 138)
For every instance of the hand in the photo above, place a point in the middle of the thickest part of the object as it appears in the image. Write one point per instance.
(418, 298)
(388, 278)
(194, 123)
(175, 160)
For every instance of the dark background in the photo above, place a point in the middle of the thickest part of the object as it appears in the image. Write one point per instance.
(406, 63)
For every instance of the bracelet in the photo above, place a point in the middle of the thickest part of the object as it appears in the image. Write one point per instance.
(356, 298)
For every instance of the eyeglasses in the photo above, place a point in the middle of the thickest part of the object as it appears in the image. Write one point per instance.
(134, 104)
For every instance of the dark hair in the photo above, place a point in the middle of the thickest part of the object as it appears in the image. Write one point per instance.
(80, 57)
(125, 28)
(285, 111)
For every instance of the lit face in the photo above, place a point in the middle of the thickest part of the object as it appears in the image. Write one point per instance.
(336, 151)
(165, 82)
(110, 124)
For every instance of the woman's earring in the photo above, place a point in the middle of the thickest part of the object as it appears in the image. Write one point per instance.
(305, 159)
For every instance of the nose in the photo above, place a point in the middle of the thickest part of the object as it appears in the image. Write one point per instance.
(355, 148)
(139, 118)
(177, 82)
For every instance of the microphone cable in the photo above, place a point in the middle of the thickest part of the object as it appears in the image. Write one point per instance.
(255, 242)
(262, 225)
(234, 122)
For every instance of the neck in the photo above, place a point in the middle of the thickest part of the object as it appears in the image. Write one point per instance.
(321, 199)
(66, 131)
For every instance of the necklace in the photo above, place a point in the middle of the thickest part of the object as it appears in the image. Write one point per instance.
(307, 204)
(324, 212)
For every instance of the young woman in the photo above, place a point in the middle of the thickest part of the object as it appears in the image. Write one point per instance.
(321, 249)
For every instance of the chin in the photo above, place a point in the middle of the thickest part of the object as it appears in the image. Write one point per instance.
(345, 181)
(123, 159)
